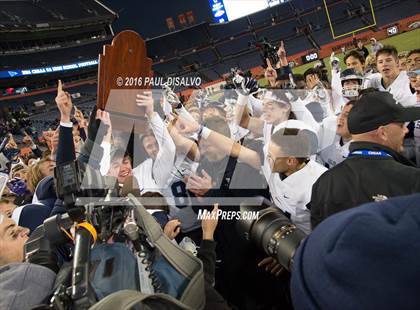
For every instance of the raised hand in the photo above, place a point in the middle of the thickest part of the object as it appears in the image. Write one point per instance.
(171, 97)
(104, 117)
(146, 100)
(281, 52)
(270, 73)
(48, 135)
(335, 62)
(209, 222)
(313, 80)
(11, 144)
(64, 103)
(245, 85)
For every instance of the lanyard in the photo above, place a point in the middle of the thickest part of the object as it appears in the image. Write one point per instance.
(369, 153)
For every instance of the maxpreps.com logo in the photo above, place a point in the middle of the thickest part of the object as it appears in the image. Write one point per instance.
(228, 215)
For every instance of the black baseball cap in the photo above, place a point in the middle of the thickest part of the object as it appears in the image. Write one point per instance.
(375, 109)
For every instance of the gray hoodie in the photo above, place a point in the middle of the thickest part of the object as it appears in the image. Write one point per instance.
(24, 285)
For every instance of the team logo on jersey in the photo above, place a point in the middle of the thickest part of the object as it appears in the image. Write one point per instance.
(378, 198)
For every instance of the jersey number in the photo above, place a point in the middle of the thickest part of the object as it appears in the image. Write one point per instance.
(179, 190)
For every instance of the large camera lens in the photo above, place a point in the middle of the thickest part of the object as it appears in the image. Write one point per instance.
(272, 231)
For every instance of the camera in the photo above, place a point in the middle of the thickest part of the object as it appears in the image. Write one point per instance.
(267, 51)
(273, 231)
(97, 219)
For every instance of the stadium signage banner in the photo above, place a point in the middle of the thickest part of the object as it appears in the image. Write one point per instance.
(392, 30)
(44, 70)
(219, 11)
(310, 57)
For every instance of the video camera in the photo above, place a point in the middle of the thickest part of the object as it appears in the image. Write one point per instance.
(101, 217)
(267, 51)
(272, 231)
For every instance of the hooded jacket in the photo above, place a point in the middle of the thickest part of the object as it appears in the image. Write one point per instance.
(32, 215)
(24, 285)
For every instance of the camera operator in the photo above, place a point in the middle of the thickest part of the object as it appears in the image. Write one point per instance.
(34, 279)
(22, 284)
(91, 152)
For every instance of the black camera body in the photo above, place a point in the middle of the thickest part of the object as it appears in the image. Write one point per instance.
(267, 51)
(97, 219)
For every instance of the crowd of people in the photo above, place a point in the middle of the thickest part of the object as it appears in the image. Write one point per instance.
(314, 145)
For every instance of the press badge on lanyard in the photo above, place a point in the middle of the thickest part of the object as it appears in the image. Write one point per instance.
(369, 153)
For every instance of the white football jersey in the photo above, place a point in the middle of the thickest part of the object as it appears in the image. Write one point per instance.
(177, 195)
(400, 88)
(293, 193)
(333, 154)
(144, 176)
(153, 175)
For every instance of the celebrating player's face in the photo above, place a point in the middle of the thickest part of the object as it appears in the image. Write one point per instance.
(274, 113)
(120, 168)
(342, 126)
(354, 63)
(387, 65)
(151, 147)
(277, 159)
(350, 84)
(402, 64)
(413, 62)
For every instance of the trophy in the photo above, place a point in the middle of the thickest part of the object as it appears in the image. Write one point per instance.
(123, 70)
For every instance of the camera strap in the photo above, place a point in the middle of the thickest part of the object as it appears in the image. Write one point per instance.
(185, 264)
(127, 299)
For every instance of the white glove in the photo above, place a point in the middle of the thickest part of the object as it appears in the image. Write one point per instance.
(245, 85)
(335, 62)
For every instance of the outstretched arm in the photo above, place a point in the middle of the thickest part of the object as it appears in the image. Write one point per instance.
(165, 158)
(184, 146)
(226, 145)
(243, 118)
